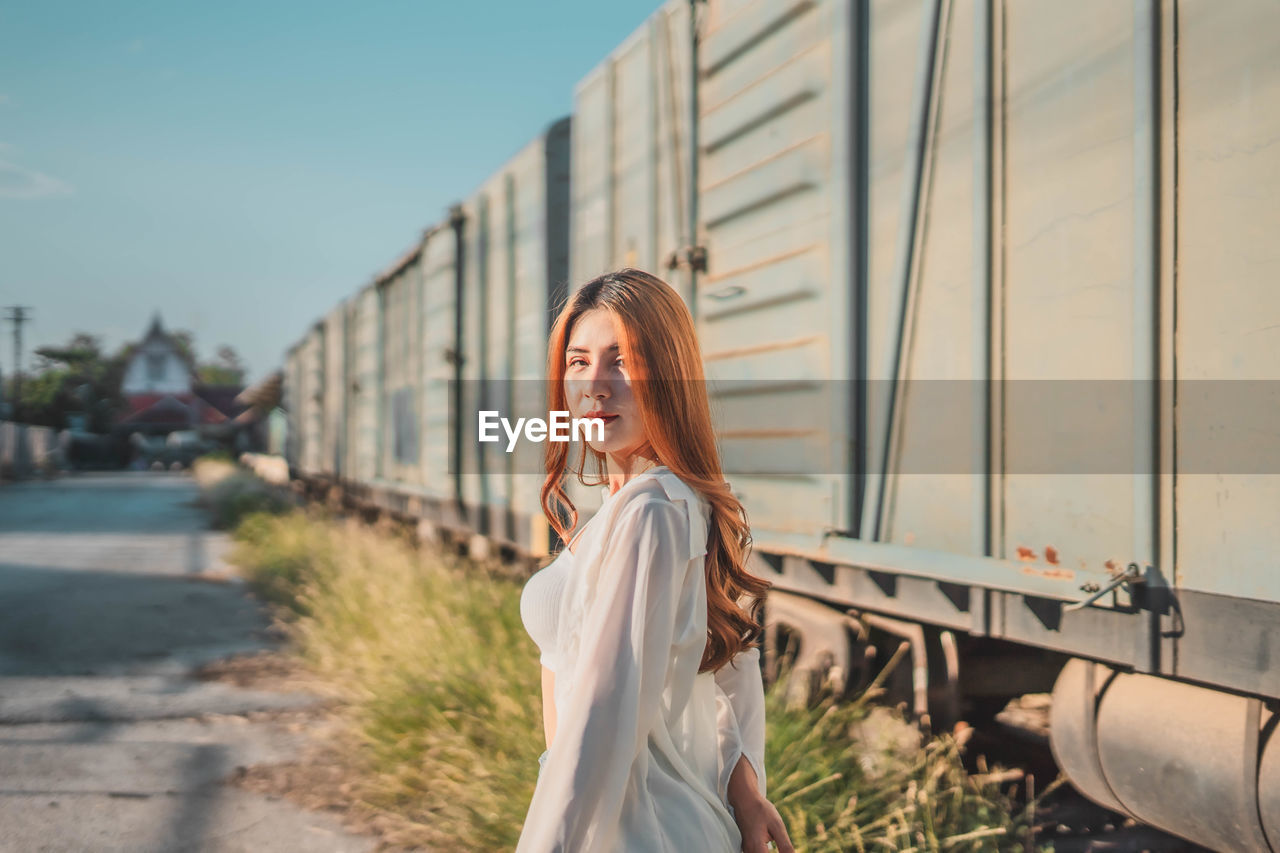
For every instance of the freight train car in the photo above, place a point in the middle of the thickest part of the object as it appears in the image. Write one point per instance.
(459, 322)
(985, 294)
(514, 276)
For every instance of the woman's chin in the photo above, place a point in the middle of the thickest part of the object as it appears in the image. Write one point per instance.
(607, 447)
(613, 447)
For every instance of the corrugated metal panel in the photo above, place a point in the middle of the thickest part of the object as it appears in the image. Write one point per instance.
(1069, 266)
(630, 162)
(592, 233)
(350, 414)
(1228, 304)
(474, 347)
(537, 195)
(438, 342)
(630, 144)
(310, 399)
(499, 316)
(930, 509)
(774, 303)
(335, 387)
(1067, 306)
(289, 400)
(401, 298)
(364, 402)
(512, 280)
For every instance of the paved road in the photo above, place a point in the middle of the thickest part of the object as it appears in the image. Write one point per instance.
(108, 599)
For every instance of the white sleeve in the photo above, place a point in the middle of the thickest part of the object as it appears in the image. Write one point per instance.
(740, 716)
(618, 682)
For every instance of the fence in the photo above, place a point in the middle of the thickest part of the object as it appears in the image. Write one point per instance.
(27, 450)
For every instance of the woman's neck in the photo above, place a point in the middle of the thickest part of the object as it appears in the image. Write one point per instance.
(623, 470)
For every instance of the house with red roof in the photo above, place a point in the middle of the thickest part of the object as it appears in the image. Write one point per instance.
(163, 393)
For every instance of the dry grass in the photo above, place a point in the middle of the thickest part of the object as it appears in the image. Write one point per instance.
(441, 677)
(231, 493)
(212, 469)
(443, 725)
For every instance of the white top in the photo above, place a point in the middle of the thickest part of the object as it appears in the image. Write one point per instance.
(644, 743)
(540, 607)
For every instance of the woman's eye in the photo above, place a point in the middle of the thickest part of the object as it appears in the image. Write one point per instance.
(573, 362)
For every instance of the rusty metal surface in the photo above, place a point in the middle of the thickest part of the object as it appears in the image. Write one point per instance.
(1069, 256)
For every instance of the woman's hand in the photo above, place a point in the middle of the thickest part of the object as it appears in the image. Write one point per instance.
(758, 820)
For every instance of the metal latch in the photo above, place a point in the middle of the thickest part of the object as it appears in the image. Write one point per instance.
(1132, 574)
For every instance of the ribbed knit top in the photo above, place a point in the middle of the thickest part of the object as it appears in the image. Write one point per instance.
(540, 607)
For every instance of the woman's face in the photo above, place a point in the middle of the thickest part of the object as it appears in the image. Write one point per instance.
(598, 383)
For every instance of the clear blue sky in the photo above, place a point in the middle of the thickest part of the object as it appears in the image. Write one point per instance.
(241, 167)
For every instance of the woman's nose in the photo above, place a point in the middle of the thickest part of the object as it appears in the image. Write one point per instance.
(598, 381)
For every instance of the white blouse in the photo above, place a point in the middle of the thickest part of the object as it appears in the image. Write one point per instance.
(644, 743)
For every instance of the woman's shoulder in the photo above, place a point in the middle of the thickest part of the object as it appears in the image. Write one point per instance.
(661, 488)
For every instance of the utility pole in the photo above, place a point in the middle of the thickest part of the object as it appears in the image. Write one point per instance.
(17, 315)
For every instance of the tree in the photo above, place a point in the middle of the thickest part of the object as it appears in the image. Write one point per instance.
(73, 379)
(225, 369)
(185, 341)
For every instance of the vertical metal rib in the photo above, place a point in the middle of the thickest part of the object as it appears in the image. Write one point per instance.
(906, 256)
(859, 134)
(694, 78)
(1146, 288)
(983, 282)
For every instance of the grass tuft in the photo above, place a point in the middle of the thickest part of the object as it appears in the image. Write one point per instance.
(232, 493)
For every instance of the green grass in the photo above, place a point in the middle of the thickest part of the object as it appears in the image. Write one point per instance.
(445, 710)
(852, 776)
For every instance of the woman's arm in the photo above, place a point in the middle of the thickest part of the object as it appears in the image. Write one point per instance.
(740, 715)
(618, 681)
(548, 705)
(757, 818)
(740, 694)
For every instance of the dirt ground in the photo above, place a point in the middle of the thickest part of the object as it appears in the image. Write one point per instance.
(318, 780)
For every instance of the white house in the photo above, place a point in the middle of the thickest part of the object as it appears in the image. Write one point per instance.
(157, 366)
(162, 390)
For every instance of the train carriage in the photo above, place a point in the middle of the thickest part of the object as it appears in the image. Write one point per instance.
(515, 278)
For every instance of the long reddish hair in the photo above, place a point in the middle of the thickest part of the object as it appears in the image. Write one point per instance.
(670, 390)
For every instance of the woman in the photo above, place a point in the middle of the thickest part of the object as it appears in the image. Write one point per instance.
(652, 700)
